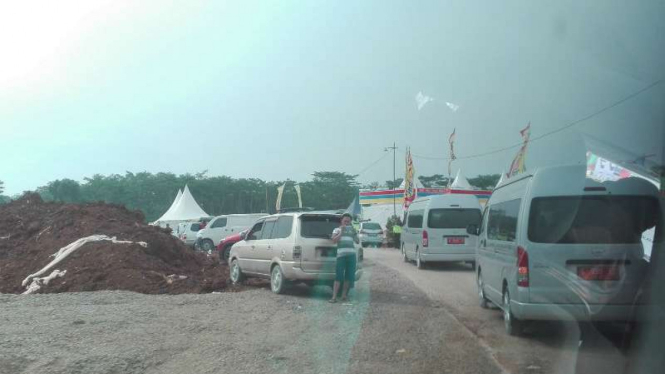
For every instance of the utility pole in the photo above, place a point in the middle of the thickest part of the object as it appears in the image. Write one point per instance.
(394, 148)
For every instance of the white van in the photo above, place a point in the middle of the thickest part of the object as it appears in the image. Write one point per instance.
(554, 245)
(222, 226)
(435, 229)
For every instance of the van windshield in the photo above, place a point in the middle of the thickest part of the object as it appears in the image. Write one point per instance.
(453, 218)
(318, 226)
(591, 219)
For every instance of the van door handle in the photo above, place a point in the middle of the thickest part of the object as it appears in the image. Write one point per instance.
(270, 247)
(253, 247)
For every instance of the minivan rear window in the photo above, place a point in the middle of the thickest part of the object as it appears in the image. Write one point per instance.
(453, 218)
(371, 226)
(592, 219)
(318, 226)
(195, 227)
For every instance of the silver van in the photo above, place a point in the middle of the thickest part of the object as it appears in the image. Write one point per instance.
(286, 248)
(435, 229)
(222, 226)
(554, 245)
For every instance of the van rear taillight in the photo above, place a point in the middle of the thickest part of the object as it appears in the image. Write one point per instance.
(184, 236)
(522, 267)
(297, 252)
(425, 238)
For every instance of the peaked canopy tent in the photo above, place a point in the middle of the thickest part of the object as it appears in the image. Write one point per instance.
(184, 209)
(460, 182)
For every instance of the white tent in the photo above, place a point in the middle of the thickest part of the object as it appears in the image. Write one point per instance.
(173, 205)
(460, 182)
(186, 209)
(500, 180)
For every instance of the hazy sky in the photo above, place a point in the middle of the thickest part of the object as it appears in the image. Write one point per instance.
(278, 90)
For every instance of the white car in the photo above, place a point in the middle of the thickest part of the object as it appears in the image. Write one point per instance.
(222, 226)
(370, 233)
(186, 231)
(288, 248)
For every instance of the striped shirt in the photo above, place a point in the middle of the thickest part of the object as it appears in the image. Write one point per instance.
(346, 244)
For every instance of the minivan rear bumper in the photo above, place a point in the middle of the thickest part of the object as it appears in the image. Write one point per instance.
(293, 272)
(443, 257)
(572, 312)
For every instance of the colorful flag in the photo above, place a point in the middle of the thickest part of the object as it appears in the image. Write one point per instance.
(518, 166)
(409, 188)
(297, 187)
(280, 192)
(451, 142)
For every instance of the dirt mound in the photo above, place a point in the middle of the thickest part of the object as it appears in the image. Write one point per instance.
(32, 230)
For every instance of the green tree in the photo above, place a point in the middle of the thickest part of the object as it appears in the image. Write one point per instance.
(485, 181)
(396, 183)
(436, 180)
(2, 187)
(65, 190)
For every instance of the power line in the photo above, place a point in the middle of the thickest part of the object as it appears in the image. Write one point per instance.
(374, 163)
(567, 126)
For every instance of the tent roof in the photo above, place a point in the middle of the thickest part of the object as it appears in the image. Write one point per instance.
(460, 182)
(187, 208)
(173, 205)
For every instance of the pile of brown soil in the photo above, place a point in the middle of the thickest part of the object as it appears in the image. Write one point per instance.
(32, 230)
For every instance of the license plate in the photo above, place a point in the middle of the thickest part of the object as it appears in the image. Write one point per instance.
(455, 240)
(598, 273)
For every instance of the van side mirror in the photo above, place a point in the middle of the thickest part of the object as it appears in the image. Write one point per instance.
(472, 229)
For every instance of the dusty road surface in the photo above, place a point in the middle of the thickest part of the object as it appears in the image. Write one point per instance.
(391, 326)
(544, 347)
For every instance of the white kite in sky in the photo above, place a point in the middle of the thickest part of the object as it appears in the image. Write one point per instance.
(452, 106)
(421, 100)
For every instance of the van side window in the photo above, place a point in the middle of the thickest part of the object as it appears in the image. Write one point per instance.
(255, 233)
(415, 219)
(483, 222)
(266, 232)
(283, 227)
(220, 222)
(502, 224)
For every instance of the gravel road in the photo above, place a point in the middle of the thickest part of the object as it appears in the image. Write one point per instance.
(390, 326)
(545, 347)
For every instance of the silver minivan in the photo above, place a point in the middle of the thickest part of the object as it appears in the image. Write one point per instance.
(435, 229)
(286, 248)
(554, 245)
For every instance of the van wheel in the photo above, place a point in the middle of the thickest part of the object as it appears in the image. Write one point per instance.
(513, 325)
(484, 303)
(236, 273)
(419, 263)
(277, 281)
(207, 245)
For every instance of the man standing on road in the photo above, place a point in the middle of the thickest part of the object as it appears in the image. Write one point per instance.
(345, 237)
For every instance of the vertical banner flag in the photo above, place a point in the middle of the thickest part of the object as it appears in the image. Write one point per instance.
(518, 166)
(280, 192)
(451, 142)
(297, 187)
(409, 187)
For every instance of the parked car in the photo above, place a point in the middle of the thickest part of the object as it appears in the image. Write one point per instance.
(370, 233)
(186, 231)
(223, 226)
(285, 248)
(554, 245)
(435, 229)
(224, 246)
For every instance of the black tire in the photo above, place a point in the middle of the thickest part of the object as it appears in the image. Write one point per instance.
(277, 281)
(484, 303)
(419, 263)
(207, 245)
(512, 325)
(236, 273)
(224, 255)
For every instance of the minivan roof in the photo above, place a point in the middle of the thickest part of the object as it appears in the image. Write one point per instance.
(447, 200)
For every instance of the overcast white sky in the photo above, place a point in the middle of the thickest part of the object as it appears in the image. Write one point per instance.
(278, 90)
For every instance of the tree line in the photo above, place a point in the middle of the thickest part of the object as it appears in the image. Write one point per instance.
(153, 193)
